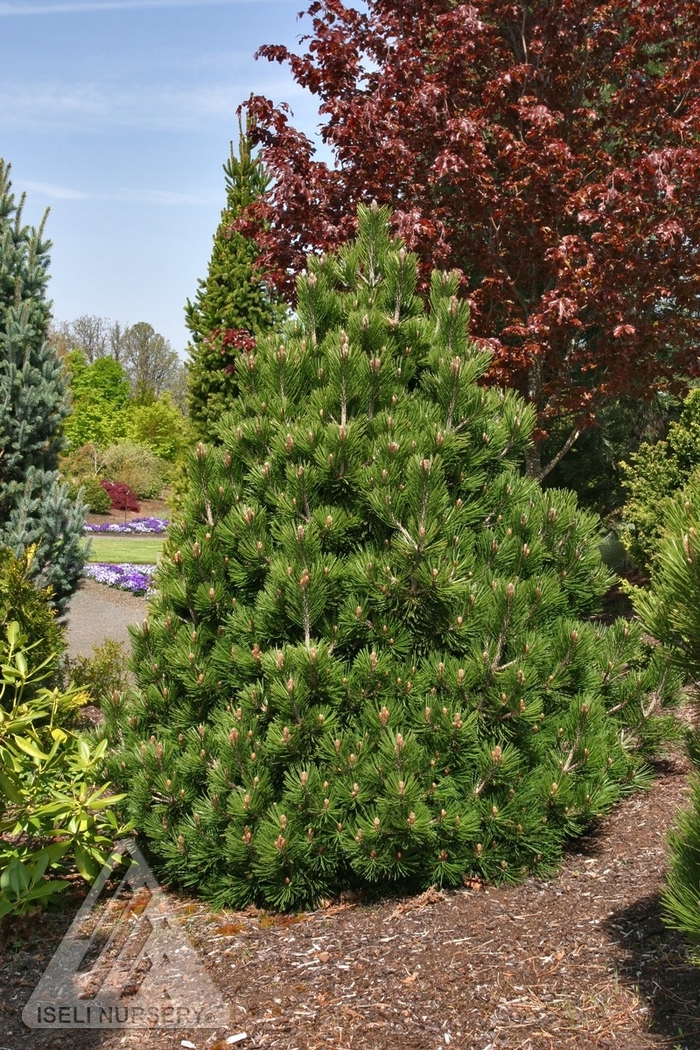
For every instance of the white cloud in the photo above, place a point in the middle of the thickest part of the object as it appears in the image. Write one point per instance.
(88, 107)
(69, 7)
(57, 193)
(165, 198)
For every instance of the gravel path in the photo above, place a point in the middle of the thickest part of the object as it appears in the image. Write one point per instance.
(98, 612)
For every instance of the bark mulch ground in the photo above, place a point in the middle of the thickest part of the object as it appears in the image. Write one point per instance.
(582, 961)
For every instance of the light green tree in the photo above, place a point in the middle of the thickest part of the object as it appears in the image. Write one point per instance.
(161, 426)
(100, 397)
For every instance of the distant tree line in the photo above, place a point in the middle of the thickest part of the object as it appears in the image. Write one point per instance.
(148, 360)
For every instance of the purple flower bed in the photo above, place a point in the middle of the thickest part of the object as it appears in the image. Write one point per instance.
(138, 525)
(134, 578)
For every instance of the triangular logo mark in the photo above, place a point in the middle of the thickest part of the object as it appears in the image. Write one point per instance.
(125, 962)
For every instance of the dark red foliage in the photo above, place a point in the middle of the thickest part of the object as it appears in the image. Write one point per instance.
(121, 495)
(234, 343)
(547, 149)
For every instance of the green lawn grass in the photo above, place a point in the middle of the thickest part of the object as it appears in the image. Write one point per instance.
(116, 549)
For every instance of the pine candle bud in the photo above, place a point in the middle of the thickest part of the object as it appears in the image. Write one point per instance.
(411, 819)
(384, 716)
(496, 755)
(399, 743)
(355, 790)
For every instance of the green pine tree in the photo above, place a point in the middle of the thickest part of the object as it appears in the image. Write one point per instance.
(35, 508)
(232, 302)
(371, 658)
(670, 611)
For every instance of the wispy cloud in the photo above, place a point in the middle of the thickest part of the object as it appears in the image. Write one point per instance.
(164, 198)
(70, 7)
(55, 193)
(88, 107)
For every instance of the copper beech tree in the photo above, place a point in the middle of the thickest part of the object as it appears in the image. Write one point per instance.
(547, 150)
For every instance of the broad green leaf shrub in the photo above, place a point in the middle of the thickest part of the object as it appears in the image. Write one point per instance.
(161, 427)
(102, 673)
(93, 494)
(656, 474)
(54, 807)
(370, 660)
(136, 466)
(21, 601)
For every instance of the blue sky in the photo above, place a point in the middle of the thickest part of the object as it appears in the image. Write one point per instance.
(118, 115)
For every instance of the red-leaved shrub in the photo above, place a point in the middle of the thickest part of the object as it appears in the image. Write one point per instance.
(121, 495)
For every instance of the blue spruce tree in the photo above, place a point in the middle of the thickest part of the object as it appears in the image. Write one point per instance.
(35, 510)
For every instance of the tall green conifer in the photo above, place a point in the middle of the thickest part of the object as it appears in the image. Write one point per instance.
(372, 657)
(34, 506)
(232, 302)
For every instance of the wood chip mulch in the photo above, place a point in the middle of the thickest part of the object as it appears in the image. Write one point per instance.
(579, 962)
